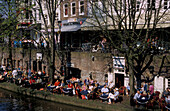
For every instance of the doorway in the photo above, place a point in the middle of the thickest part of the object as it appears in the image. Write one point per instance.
(40, 65)
(119, 80)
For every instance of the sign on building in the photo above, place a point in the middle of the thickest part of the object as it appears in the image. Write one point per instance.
(119, 65)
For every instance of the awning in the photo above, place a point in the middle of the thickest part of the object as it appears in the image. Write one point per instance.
(70, 28)
(72, 25)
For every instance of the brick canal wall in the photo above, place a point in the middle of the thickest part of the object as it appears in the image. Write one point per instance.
(95, 63)
(86, 62)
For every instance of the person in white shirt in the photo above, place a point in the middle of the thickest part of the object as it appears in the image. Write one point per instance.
(137, 95)
(14, 73)
(113, 96)
(104, 89)
(3, 67)
(90, 88)
(111, 84)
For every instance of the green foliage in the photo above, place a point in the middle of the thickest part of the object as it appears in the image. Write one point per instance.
(8, 24)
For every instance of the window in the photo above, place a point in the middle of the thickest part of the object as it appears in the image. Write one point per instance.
(151, 4)
(66, 10)
(166, 4)
(81, 7)
(137, 6)
(35, 15)
(73, 9)
(39, 14)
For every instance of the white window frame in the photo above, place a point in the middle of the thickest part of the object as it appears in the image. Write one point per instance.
(39, 14)
(81, 13)
(150, 5)
(167, 5)
(64, 10)
(72, 9)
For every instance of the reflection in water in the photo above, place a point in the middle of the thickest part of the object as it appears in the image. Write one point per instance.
(13, 102)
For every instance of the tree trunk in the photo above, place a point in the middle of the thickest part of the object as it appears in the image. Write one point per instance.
(131, 80)
(52, 57)
(138, 77)
(10, 53)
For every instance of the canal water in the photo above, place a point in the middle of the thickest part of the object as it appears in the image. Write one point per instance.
(10, 101)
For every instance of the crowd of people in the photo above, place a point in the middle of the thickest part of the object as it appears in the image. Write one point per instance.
(86, 89)
(25, 78)
(147, 96)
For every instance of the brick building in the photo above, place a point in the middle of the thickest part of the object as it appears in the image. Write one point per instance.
(73, 13)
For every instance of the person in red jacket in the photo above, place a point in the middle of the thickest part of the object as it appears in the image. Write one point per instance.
(70, 85)
(57, 83)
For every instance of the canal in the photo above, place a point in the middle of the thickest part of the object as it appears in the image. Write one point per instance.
(10, 101)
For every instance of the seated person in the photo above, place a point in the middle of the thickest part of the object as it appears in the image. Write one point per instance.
(80, 83)
(137, 96)
(143, 98)
(39, 83)
(84, 86)
(50, 87)
(57, 83)
(77, 89)
(104, 92)
(39, 80)
(1, 78)
(128, 89)
(70, 85)
(62, 84)
(167, 99)
(87, 81)
(113, 96)
(166, 92)
(31, 80)
(111, 84)
(116, 94)
(149, 96)
(69, 89)
(90, 88)
(104, 89)
(84, 94)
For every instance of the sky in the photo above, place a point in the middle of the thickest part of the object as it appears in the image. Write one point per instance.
(4, 7)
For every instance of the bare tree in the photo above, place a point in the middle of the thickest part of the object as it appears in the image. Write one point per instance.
(131, 27)
(50, 6)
